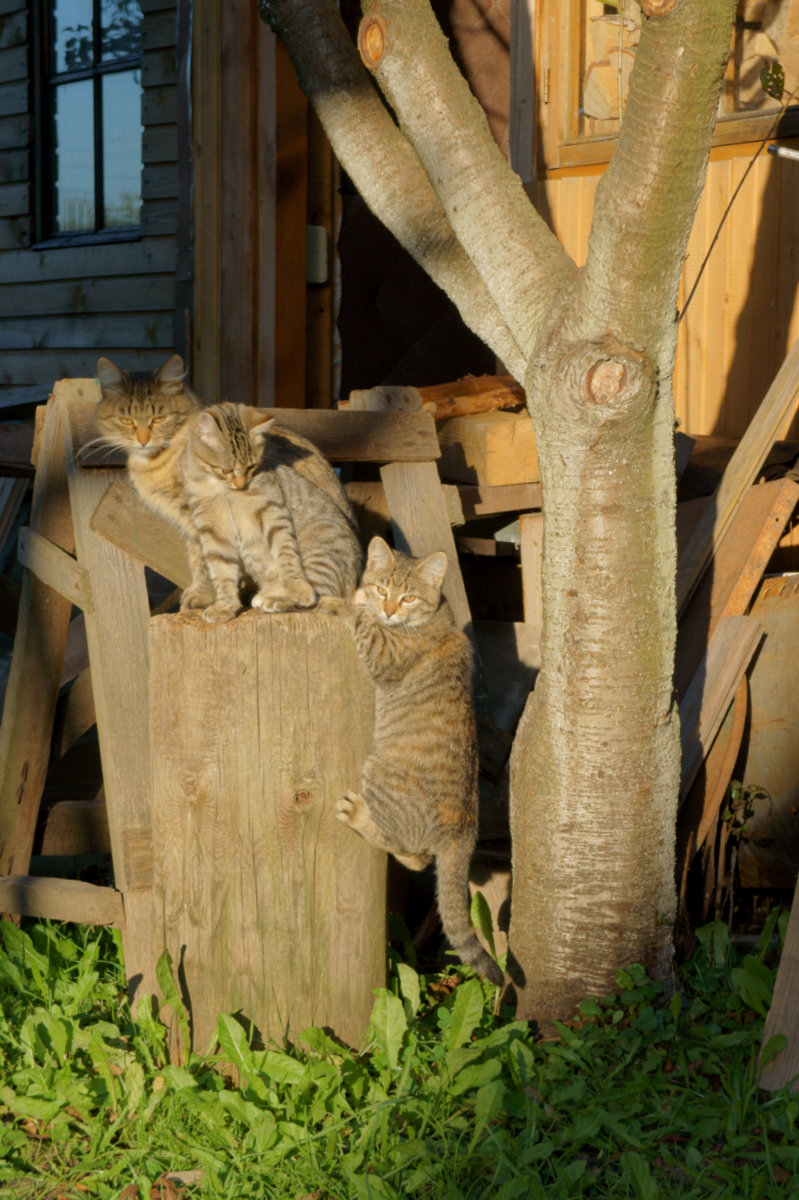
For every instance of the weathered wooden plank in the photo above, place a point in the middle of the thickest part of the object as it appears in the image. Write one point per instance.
(531, 529)
(36, 663)
(491, 449)
(94, 262)
(14, 63)
(55, 567)
(160, 144)
(122, 519)
(78, 714)
(95, 331)
(479, 501)
(147, 294)
(158, 67)
(76, 827)
(290, 232)
(14, 165)
(15, 132)
(14, 232)
(116, 634)
(159, 104)
(13, 397)
(13, 98)
(158, 31)
(27, 367)
(245, 828)
(61, 900)
(14, 29)
(159, 218)
(777, 407)
(160, 182)
(421, 525)
(712, 690)
(738, 564)
(783, 1070)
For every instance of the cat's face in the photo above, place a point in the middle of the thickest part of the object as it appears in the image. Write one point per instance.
(230, 452)
(400, 590)
(142, 411)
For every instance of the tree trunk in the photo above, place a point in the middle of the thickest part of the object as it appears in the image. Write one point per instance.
(271, 908)
(595, 766)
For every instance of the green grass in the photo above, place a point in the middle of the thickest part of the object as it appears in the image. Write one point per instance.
(647, 1095)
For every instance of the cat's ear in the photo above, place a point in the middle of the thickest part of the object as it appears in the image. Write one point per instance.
(259, 430)
(170, 376)
(379, 555)
(433, 569)
(207, 430)
(109, 375)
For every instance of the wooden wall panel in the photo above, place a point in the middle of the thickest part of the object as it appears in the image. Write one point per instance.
(234, 155)
(744, 315)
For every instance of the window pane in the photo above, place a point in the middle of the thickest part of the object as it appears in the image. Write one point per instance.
(120, 23)
(122, 142)
(73, 157)
(72, 34)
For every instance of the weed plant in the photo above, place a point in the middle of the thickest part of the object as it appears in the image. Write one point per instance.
(651, 1093)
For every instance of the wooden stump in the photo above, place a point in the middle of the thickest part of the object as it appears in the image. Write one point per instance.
(271, 907)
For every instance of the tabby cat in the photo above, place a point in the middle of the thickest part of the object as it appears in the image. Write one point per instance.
(418, 793)
(267, 505)
(147, 414)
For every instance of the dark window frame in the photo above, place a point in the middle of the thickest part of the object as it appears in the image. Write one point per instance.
(45, 81)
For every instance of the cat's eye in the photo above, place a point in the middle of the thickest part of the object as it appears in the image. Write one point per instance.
(127, 420)
(157, 420)
(381, 591)
(409, 599)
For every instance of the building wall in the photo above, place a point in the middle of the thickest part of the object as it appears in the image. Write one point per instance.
(61, 307)
(744, 315)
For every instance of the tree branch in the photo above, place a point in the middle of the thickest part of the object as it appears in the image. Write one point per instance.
(518, 257)
(381, 162)
(646, 200)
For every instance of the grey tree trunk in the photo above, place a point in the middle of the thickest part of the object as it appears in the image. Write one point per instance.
(595, 768)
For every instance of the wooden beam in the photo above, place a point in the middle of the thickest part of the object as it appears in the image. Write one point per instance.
(738, 564)
(124, 521)
(776, 409)
(489, 449)
(55, 567)
(36, 665)
(61, 900)
(712, 691)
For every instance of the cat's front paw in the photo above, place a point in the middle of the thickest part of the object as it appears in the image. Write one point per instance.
(296, 593)
(197, 596)
(216, 614)
(350, 809)
(334, 604)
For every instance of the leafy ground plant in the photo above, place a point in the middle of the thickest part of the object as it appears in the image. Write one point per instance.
(647, 1094)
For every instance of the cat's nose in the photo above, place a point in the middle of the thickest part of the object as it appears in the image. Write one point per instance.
(142, 436)
(238, 482)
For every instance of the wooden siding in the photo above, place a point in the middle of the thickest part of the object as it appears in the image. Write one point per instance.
(744, 316)
(62, 306)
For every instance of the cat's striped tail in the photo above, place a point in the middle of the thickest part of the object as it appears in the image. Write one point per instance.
(452, 894)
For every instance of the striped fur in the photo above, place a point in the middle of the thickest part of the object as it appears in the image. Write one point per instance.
(418, 794)
(147, 414)
(268, 509)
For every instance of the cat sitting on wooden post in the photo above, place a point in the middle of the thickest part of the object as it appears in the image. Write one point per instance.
(418, 792)
(147, 414)
(253, 500)
(266, 503)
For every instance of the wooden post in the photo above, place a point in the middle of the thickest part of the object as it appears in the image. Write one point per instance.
(271, 908)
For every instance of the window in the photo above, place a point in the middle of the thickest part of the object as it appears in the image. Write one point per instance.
(89, 120)
(586, 55)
